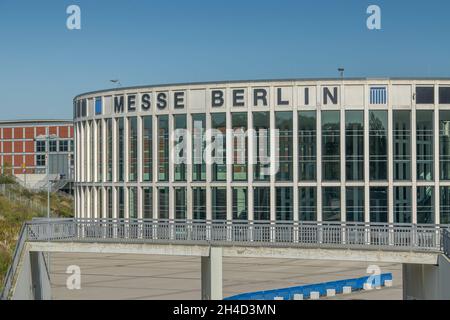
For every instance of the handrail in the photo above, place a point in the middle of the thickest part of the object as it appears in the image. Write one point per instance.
(15, 261)
(253, 233)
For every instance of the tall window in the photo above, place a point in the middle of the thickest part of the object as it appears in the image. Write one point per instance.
(180, 203)
(240, 204)
(147, 148)
(307, 145)
(331, 204)
(147, 202)
(444, 135)
(331, 162)
(284, 204)
(99, 150)
(240, 152)
(132, 203)
(283, 122)
(121, 204)
(355, 204)
(219, 170)
(163, 148)
(261, 125)
(109, 150)
(132, 149)
(402, 205)
(109, 202)
(307, 209)
(199, 203)
(378, 126)
(180, 168)
(219, 203)
(379, 204)
(198, 147)
(120, 149)
(425, 145)
(100, 202)
(354, 145)
(163, 201)
(261, 203)
(425, 205)
(445, 205)
(402, 145)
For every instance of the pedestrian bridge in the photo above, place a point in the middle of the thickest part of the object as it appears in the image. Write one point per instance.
(422, 249)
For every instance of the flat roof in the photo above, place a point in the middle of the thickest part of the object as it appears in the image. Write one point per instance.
(37, 122)
(261, 80)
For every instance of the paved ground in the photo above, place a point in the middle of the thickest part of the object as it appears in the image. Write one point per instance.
(171, 278)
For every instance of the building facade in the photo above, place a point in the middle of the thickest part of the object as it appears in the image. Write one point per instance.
(23, 147)
(355, 150)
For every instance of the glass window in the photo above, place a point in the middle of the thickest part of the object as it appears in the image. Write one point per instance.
(331, 204)
(354, 145)
(40, 146)
(100, 203)
(147, 202)
(355, 204)
(307, 145)
(444, 137)
(379, 204)
(53, 146)
(121, 199)
(425, 205)
(163, 201)
(63, 146)
(219, 203)
(99, 150)
(180, 203)
(240, 139)
(163, 148)
(284, 204)
(240, 204)
(198, 146)
(331, 160)
(219, 167)
(425, 145)
(180, 167)
(261, 203)
(378, 145)
(307, 209)
(132, 149)
(147, 148)
(98, 105)
(444, 95)
(425, 95)
(120, 149)
(109, 202)
(199, 203)
(402, 145)
(40, 160)
(402, 205)
(261, 125)
(283, 123)
(109, 150)
(445, 206)
(133, 203)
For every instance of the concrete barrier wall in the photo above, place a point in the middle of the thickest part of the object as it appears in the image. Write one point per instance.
(427, 282)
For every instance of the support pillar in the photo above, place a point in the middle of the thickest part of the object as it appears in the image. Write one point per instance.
(212, 275)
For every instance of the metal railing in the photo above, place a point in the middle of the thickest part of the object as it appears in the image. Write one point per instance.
(446, 242)
(14, 263)
(255, 233)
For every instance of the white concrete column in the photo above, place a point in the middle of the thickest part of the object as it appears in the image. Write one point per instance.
(319, 164)
(390, 133)
(189, 197)
(273, 158)
(366, 158)
(114, 151)
(295, 158)
(414, 162)
(343, 164)
(211, 275)
(437, 159)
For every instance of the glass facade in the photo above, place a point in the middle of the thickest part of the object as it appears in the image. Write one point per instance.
(331, 144)
(396, 170)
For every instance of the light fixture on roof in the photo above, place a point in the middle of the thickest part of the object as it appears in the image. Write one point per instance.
(341, 72)
(117, 82)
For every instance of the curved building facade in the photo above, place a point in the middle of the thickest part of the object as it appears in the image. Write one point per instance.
(356, 150)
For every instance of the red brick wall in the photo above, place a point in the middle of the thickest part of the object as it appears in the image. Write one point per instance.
(18, 146)
(7, 133)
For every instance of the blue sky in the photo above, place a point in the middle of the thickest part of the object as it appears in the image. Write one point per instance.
(43, 65)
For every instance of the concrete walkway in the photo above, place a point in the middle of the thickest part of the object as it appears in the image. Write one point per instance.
(138, 277)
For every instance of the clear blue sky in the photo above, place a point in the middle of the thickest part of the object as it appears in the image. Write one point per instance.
(43, 65)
